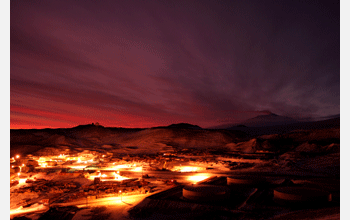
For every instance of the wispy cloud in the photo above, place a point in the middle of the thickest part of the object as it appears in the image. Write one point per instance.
(139, 63)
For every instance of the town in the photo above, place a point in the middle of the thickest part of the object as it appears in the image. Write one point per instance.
(97, 177)
(64, 178)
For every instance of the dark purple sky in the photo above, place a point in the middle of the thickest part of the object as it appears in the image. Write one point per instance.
(150, 63)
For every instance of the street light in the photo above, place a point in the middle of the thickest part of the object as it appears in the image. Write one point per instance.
(121, 196)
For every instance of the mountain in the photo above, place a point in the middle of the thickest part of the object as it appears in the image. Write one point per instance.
(274, 124)
(285, 128)
(268, 120)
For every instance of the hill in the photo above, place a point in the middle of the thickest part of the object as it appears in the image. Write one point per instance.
(277, 139)
(182, 126)
(121, 140)
(283, 128)
(270, 119)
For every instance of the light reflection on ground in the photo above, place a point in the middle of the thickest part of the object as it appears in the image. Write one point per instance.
(198, 177)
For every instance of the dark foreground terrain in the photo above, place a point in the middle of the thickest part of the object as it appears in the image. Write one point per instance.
(304, 155)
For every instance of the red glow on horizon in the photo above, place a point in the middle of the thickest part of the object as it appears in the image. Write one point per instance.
(53, 124)
(28, 118)
(54, 114)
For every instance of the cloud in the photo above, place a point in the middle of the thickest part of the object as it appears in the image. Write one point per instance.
(201, 62)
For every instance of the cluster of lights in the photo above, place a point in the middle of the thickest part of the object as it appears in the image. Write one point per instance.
(13, 158)
(197, 178)
(43, 164)
(22, 181)
(117, 176)
(187, 168)
(137, 169)
(43, 161)
(85, 161)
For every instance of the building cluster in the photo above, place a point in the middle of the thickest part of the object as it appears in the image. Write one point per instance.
(106, 174)
(109, 189)
(45, 186)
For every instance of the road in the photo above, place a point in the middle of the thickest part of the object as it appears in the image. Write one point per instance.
(105, 201)
(23, 211)
(119, 204)
(117, 207)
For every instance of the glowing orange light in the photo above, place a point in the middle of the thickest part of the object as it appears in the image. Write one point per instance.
(187, 168)
(22, 180)
(78, 167)
(43, 164)
(197, 178)
(137, 169)
(17, 156)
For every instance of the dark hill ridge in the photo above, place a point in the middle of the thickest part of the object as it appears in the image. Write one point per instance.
(270, 119)
(178, 136)
(181, 126)
(184, 126)
(121, 140)
(282, 129)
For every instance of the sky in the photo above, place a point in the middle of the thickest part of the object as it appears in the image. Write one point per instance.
(155, 63)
